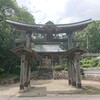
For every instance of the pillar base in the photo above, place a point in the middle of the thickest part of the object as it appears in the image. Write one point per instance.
(21, 91)
(27, 88)
(73, 83)
(78, 85)
(69, 81)
(21, 87)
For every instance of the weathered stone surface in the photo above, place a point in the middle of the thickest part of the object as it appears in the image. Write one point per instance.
(9, 81)
(91, 74)
(92, 77)
(34, 75)
(60, 75)
(47, 74)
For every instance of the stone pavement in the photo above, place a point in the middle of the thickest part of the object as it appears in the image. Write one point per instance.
(43, 88)
(63, 97)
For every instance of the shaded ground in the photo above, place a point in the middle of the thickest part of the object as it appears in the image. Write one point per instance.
(56, 87)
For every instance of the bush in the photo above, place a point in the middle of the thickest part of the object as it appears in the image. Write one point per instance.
(66, 68)
(98, 63)
(89, 62)
(34, 65)
(7, 76)
(86, 65)
(58, 68)
(94, 62)
(1, 71)
(16, 70)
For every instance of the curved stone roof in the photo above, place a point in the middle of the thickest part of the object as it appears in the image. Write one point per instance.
(71, 52)
(22, 50)
(50, 27)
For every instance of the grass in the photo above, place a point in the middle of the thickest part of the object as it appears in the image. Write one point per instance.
(89, 90)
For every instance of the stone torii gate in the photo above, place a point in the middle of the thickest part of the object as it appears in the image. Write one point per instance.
(49, 29)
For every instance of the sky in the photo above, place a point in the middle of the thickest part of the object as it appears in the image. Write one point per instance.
(62, 11)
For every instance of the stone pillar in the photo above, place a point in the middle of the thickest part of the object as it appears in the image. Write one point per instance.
(28, 67)
(73, 78)
(69, 65)
(29, 73)
(78, 74)
(69, 72)
(60, 60)
(26, 73)
(28, 40)
(70, 43)
(22, 73)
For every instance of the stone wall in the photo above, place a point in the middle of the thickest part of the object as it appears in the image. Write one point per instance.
(92, 74)
(34, 75)
(45, 73)
(60, 74)
(92, 77)
(89, 74)
(49, 75)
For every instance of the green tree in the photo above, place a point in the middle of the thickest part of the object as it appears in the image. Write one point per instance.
(10, 10)
(90, 37)
(22, 15)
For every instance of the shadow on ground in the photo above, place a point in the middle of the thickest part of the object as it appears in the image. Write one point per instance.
(90, 90)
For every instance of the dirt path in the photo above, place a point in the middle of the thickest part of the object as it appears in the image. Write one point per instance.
(51, 85)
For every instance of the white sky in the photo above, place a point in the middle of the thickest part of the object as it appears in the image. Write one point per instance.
(62, 11)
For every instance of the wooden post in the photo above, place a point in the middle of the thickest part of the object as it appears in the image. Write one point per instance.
(22, 72)
(69, 65)
(78, 74)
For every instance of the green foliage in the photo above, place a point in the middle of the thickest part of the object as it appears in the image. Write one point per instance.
(98, 63)
(89, 62)
(10, 10)
(90, 37)
(7, 76)
(33, 65)
(64, 64)
(66, 68)
(58, 68)
(22, 15)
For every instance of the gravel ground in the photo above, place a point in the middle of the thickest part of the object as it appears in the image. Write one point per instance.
(51, 85)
